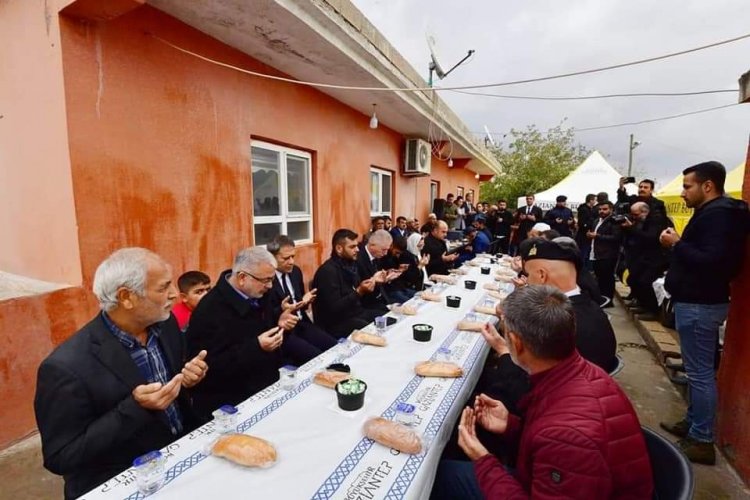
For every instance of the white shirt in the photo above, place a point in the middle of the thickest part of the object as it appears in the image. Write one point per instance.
(285, 280)
(599, 223)
(573, 292)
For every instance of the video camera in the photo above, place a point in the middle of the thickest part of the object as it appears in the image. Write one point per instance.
(622, 213)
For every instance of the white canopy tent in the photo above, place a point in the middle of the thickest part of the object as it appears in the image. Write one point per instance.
(594, 175)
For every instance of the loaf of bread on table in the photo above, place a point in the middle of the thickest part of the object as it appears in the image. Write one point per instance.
(438, 369)
(491, 286)
(460, 270)
(367, 338)
(442, 278)
(406, 310)
(433, 297)
(483, 310)
(329, 378)
(245, 450)
(497, 295)
(394, 435)
(470, 326)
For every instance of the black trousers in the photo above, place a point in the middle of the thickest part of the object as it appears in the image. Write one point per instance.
(641, 280)
(604, 269)
(305, 342)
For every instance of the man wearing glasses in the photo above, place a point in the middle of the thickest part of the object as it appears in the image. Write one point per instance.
(235, 319)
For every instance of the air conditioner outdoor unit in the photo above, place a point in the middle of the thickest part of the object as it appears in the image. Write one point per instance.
(417, 158)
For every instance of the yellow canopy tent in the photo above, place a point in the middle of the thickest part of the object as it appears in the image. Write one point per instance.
(676, 209)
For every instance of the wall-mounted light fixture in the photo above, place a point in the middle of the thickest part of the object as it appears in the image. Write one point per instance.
(374, 118)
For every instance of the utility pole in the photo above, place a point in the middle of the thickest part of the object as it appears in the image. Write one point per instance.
(633, 145)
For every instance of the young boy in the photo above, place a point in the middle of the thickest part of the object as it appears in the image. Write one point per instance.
(193, 286)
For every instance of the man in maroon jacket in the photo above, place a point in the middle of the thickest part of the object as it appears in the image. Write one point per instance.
(579, 437)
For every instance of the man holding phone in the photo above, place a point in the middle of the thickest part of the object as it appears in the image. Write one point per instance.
(645, 194)
(235, 323)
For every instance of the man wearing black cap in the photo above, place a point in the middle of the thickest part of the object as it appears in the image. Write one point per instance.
(561, 218)
(549, 263)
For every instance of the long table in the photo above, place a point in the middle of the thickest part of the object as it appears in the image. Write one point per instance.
(322, 452)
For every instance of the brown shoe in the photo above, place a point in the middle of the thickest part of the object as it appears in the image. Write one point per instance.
(679, 429)
(698, 452)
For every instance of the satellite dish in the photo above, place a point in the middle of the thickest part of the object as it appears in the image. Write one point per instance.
(434, 64)
(489, 136)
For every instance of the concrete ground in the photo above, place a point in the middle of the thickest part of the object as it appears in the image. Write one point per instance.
(654, 396)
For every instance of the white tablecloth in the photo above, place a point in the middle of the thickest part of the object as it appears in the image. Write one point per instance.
(322, 452)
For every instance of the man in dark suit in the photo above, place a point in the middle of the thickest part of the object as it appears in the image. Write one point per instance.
(370, 265)
(338, 308)
(527, 216)
(305, 341)
(400, 229)
(606, 238)
(434, 246)
(112, 392)
(586, 215)
(560, 218)
(235, 323)
(503, 221)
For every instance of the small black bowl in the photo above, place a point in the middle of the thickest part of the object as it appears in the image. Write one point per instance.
(453, 301)
(485, 270)
(422, 332)
(351, 402)
(389, 321)
(470, 284)
(339, 367)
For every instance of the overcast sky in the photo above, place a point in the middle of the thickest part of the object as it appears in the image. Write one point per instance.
(517, 39)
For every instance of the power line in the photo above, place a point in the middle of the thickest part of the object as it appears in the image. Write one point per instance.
(706, 110)
(463, 87)
(602, 96)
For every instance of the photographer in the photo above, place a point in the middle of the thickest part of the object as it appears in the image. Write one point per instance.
(646, 259)
(645, 194)
(605, 238)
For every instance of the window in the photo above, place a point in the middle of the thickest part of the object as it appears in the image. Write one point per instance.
(381, 189)
(282, 193)
(459, 191)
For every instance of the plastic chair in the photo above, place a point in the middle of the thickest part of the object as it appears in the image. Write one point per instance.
(673, 473)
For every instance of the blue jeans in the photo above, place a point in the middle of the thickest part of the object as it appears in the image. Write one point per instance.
(455, 480)
(698, 327)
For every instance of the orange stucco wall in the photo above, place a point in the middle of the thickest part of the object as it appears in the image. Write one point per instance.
(734, 377)
(36, 192)
(159, 146)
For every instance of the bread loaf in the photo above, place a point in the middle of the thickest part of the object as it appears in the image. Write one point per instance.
(433, 297)
(438, 369)
(406, 310)
(329, 378)
(368, 338)
(394, 435)
(441, 278)
(491, 286)
(470, 326)
(245, 450)
(497, 295)
(483, 310)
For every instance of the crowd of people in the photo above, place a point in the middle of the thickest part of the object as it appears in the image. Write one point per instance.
(158, 360)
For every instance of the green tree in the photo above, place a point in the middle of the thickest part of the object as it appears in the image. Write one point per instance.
(532, 161)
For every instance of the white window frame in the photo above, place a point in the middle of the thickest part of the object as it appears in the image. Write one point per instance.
(381, 173)
(459, 191)
(285, 217)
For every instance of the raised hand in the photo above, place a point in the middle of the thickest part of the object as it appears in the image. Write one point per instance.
(270, 340)
(494, 339)
(194, 370)
(158, 396)
(491, 414)
(467, 436)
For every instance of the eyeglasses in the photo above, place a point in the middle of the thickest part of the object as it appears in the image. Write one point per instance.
(265, 281)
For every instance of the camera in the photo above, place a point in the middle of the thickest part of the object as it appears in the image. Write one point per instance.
(621, 213)
(621, 218)
(629, 180)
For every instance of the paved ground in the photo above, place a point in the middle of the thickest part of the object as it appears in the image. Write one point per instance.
(655, 398)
